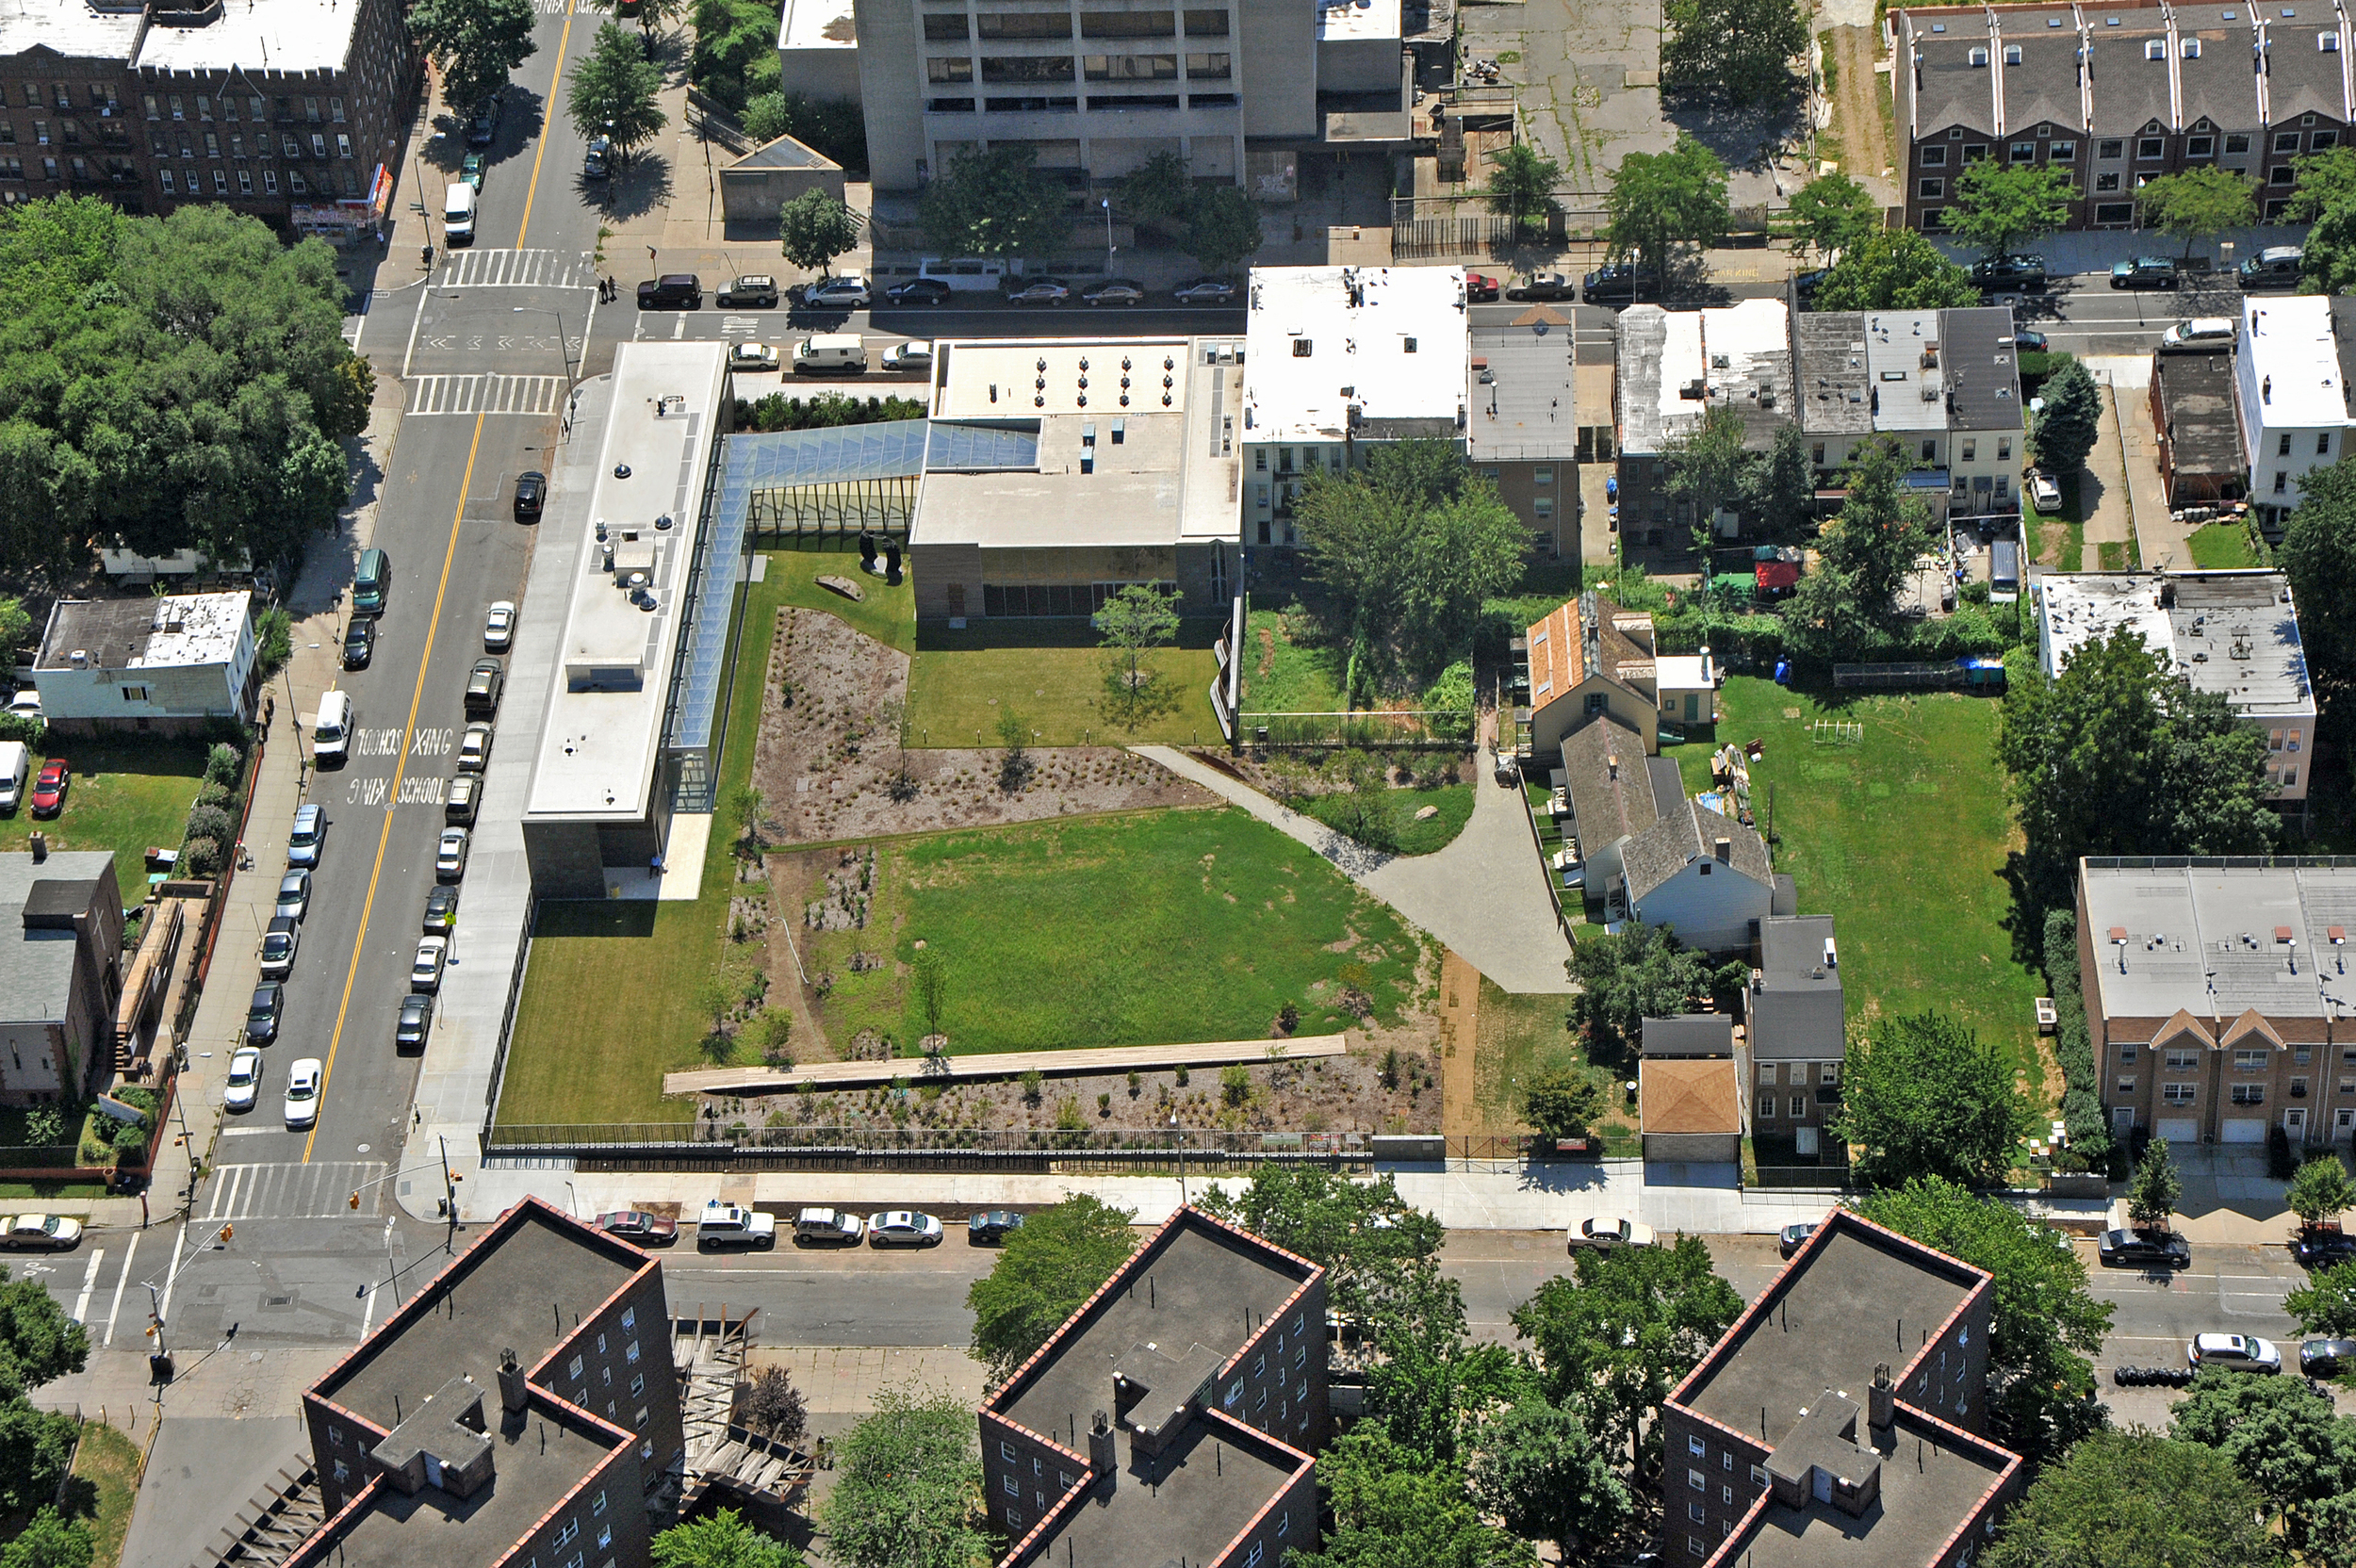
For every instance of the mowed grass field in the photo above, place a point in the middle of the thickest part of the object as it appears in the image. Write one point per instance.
(1052, 675)
(1139, 930)
(126, 795)
(1902, 838)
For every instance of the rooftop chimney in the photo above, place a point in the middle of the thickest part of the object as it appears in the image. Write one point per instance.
(1103, 1457)
(1881, 1400)
(513, 1393)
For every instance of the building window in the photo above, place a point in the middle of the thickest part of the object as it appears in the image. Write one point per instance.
(2250, 1094)
(1974, 151)
(629, 1351)
(270, 181)
(2286, 141)
(566, 1536)
(2282, 481)
(2147, 147)
(630, 1317)
(343, 145)
(1799, 1107)
(245, 182)
(2323, 444)
(1014, 1515)
(2126, 1085)
(2126, 1054)
(2024, 152)
(573, 1369)
(1828, 1073)
(1759, 1476)
(221, 182)
(2176, 1094)
(2107, 182)
(2064, 152)
(343, 1471)
(166, 176)
(1933, 189)
(1767, 1072)
(1696, 1546)
(2181, 1061)
(2115, 147)
(1542, 506)
(1970, 451)
(1725, 1496)
(1696, 1513)
(2199, 146)
(596, 1505)
(1013, 1486)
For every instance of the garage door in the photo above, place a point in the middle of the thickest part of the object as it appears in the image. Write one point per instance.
(2243, 1129)
(2178, 1129)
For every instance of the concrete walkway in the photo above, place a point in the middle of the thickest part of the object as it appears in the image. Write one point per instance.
(1484, 895)
(1002, 1064)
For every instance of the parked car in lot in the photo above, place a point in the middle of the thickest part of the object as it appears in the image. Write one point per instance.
(2143, 1249)
(1204, 291)
(2322, 1247)
(294, 894)
(905, 357)
(309, 836)
(49, 790)
(843, 291)
(41, 1232)
(474, 748)
(732, 1225)
(2201, 335)
(919, 291)
(26, 704)
(1041, 291)
(499, 626)
(302, 1091)
(639, 1227)
(1793, 1237)
(1480, 288)
(278, 947)
(2144, 272)
(1617, 285)
(2327, 1358)
(531, 494)
(1606, 1233)
(2010, 274)
(991, 1228)
(2236, 1352)
(263, 1011)
(2043, 493)
(1116, 291)
(450, 856)
(827, 1227)
(1543, 286)
(244, 1083)
(753, 291)
(483, 687)
(1805, 285)
(752, 359)
(425, 971)
(415, 1021)
(441, 909)
(464, 799)
(902, 1228)
(359, 643)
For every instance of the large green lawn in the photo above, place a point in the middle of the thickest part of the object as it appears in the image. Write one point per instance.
(1902, 838)
(127, 793)
(1052, 675)
(2222, 545)
(1161, 927)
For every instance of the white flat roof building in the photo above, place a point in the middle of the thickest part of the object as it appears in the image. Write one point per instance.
(168, 662)
(2289, 397)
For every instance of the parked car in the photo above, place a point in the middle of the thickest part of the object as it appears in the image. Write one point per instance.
(2236, 1352)
(2144, 1250)
(2043, 493)
(2275, 266)
(464, 798)
(1480, 288)
(302, 1091)
(992, 1227)
(732, 1225)
(50, 788)
(596, 163)
(499, 626)
(919, 291)
(425, 971)
(2327, 1358)
(2201, 335)
(482, 686)
(263, 1011)
(41, 1232)
(294, 894)
(449, 858)
(671, 291)
(825, 1227)
(415, 1021)
(843, 291)
(441, 909)
(359, 642)
(1041, 291)
(2144, 272)
(471, 169)
(26, 704)
(474, 748)
(2323, 1247)
(1116, 291)
(638, 1226)
(1606, 1233)
(753, 291)
(244, 1083)
(752, 358)
(483, 128)
(531, 494)
(309, 836)
(1805, 285)
(278, 947)
(1204, 291)
(908, 357)
(2010, 274)
(1793, 1237)
(2028, 341)
(1543, 286)
(1618, 284)
(902, 1228)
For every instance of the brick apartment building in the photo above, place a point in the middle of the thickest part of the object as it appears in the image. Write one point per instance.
(522, 1407)
(1849, 1438)
(1217, 1397)
(2216, 990)
(2118, 95)
(291, 110)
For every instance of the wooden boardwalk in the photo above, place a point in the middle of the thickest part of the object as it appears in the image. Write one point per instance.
(1008, 1064)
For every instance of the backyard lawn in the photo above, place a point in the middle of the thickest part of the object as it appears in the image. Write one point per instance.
(886, 614)
(126, 795)
(1142, 930)
(1052, 675)
(1284, 676)
(2222, 546)
(1519, 1036)
(1901, 836)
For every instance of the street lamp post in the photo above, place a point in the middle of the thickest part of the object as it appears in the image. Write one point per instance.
(563, 344)
(1180, 1134)
(1106, 203)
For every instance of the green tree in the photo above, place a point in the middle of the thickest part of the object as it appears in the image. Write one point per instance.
(996, 204)
(2063, 431)
(1895, 270)
(48, 1541)
(1134, 622)
(614, 91)
(2133, 1499)
(1049, 1265)
(721, 1541)
(815, 228)
(2046, 1323)
(1160, 190)
(1742, 49)
(1426, 1385)
(1411, 573)
(2284, 1438)
(1659, 201)
(2318, 554)
(1642, 973)
(2329, 265)
(1521, 186)
(736, 54)
(1780, 497)
(476, 44)
(2326, 1304)
(37, 1343)
(2001, 206)
(15, 626)
(1848, 602)
(1398, 1508)
(1832, 212)
(908, 1486)
(1708, 469)
(2196, 205)
(928, 980)
(1223, 228)
(1923, 1096)
(1538, 1468)
(2321, 1190)
(2151, 1195)
(1624, 1330)
(651, 13)
(2324, 180)
(1369, 1239)
(1562, 1101)
(834, 126)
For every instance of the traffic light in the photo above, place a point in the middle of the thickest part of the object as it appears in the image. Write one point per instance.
(228, 1233)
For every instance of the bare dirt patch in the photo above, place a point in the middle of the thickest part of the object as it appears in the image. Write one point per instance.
(830, 766)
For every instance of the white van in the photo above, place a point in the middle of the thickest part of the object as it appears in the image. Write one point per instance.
(2201, 332)
(830, 353)
(331, 741)
(458, 204)
(15, 763)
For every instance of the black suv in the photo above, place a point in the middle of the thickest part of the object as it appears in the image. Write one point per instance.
(2144, 1250)
(919, 291)
(359, 643)
(672, 291)
(483, 128)
(531, 492)
(2144, 272)
(2321, 1249)
(483, 688)
(1616, 283)
(2015, 273)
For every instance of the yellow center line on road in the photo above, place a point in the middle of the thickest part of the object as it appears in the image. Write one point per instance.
(546, 125)
(392, 793)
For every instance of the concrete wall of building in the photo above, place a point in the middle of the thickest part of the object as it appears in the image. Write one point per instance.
(1358, 65)
(750, 198)
(825, 75)
(891, 89)
(1798, 1092)
(36, 1062)
(1275, 47)
(617, 1364)
(45, 1059)
(950, 580)
(1711, 906)
(564, 858)
(1289, 1524)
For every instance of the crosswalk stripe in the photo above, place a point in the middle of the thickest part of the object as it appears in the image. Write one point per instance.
(497, 268)
(291, 1190)
(485, 393)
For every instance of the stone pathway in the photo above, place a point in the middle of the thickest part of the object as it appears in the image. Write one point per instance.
(1460, 1034)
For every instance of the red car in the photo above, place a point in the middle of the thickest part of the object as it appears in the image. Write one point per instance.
(636, 1225)
(1479, 289)
(49, 789)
